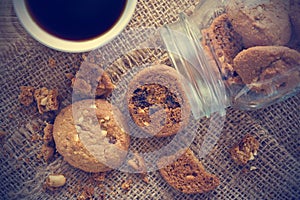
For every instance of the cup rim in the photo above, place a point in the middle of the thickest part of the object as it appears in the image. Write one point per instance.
(67, 45)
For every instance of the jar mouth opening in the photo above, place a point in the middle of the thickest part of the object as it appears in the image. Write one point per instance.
(202, 83)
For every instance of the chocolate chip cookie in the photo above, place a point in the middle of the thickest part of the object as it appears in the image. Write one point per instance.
(157, 102)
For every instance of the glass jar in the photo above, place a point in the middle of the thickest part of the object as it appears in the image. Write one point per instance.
(224, 63)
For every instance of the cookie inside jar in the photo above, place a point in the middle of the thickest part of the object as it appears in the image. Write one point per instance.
(252, 47)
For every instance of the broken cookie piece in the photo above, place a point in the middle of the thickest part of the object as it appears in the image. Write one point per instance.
(48, 147)
(47, 152)
(92, 81)
(126, 185)
(26, 96)
(245, 150)
(48, 134)
(46, 99)
(187, 173)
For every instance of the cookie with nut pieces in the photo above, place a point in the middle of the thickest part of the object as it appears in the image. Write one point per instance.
(91, 135)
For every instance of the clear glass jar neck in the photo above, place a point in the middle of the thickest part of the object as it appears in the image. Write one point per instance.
(202, 82)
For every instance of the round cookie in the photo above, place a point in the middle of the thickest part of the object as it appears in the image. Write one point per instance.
(91, 135)
(261, 23)
(269, 68)
(157, 102)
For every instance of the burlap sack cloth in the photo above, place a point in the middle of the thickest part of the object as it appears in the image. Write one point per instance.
(25, 62)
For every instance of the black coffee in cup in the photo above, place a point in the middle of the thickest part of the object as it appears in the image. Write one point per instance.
(76, 19)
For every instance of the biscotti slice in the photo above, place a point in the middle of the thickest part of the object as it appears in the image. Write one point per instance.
(187, 173)
(265, 66)
(226, 43)
(157, 102)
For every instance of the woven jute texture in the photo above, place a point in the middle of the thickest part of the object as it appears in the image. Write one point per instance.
(24, 61)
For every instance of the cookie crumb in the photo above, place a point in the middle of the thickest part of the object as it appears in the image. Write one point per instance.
(35, 137)
(87, 193)
(138, 164)
(2, 134)
(26, 96)
(69, 76)
(51, 63)
(48, 136)
(11, 116)
(145, 179)
(46, 99)
(245, 150)
(47, 152)
(99, 177)
(48, 147)
(127, 185)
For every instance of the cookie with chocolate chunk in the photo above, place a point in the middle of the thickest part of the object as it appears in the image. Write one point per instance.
(187, 173)
(157, 102)
(91, 135)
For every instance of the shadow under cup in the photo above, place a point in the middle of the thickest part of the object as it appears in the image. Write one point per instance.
(74, 25)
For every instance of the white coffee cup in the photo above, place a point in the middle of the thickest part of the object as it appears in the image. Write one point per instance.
(67, 45)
